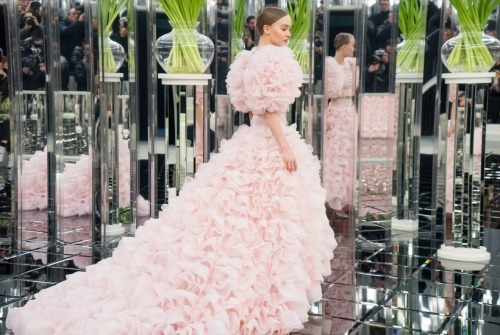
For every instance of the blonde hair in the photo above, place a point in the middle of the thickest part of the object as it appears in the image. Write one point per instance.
(268, 16)
(342, 39)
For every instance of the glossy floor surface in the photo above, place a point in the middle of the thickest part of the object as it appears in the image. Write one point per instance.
(383, 281)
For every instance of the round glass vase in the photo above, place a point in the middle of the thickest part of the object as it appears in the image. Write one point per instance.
(470, 51)
(184, 49)
(237, 45)
(410, 55)
(114, 55)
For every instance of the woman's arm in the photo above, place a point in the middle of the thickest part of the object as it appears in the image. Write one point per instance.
(288, 155)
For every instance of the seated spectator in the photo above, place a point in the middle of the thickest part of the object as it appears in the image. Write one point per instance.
(33, 64)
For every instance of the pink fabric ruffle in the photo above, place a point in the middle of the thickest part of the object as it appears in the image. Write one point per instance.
(239, 251)
(75, 191)
(34, 182)
(377, 116)
(235, 80)
(340, 80)
(266, 79)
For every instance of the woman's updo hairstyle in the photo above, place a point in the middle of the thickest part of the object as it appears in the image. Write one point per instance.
(342, 39)
(268, 16)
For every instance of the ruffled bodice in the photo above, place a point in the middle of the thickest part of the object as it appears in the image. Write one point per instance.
(340, 80)
(265, 79)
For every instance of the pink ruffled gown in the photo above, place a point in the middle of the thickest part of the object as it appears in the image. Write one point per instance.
(242, 249)
(339, 138)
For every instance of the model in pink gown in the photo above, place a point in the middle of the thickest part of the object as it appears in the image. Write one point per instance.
(242, 249)
(339, 138)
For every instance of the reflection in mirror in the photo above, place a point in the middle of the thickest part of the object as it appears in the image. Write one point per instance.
(336, 41)
(467, 124)
(339, 119)
(376, 114)
(465, 157)
(7, 214)
(28, 64)
(411, 21)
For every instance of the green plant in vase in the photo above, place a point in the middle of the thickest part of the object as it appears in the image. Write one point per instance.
(411, 22)
(184, 50)
(471, 50)
(110, 9)
(237, 27)
(300, 13)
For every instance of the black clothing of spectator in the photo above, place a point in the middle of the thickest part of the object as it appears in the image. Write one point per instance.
(33, 64)
(79, 65)
(72, 34)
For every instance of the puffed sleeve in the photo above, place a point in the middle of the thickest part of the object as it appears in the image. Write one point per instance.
(235, 80)
(273, 80)
(337, 83)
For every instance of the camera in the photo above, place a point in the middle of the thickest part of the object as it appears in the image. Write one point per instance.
(373, 59)
(377, 57)
(29, 20)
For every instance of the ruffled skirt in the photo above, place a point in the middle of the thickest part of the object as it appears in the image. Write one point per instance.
(242, 250)
(339, 153)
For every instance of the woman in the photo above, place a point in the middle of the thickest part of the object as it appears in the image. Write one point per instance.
(241, 250)
(247, 39)
(340, 121)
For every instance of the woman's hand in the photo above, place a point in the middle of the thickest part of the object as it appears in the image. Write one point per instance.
(274, 123)
(451, 129)
(289, 159)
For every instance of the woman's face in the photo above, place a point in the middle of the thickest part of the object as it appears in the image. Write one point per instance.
(279, 31)
(349, 48)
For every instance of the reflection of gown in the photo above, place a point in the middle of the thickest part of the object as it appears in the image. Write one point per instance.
(75, 184)
(338, 153)
(241, 250)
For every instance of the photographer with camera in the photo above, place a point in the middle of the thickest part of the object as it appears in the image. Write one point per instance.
(377, 72)
(31, 28)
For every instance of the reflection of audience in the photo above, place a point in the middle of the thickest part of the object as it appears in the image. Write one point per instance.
(375, 22)
(4, 111)
(121, 37)
(31, 29)
(377, 72)
(33, 64)
(250, 25)
(493, 113)
(318, 61)
(71, 35)
(79, 62)
(71, 32)
(378, 279)
(222, 21)
(248, 40)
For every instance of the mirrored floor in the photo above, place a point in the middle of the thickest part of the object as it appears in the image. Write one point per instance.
(383, 281)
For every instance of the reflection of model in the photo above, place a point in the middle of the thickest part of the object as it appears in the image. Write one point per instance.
(338, 152)
(241, 250)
